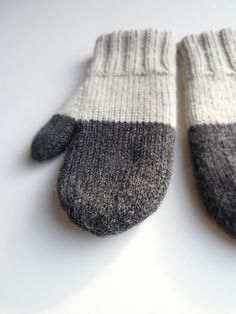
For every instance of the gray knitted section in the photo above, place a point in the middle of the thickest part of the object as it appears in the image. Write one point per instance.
(115, 174)
(53, 138)
(213, 149)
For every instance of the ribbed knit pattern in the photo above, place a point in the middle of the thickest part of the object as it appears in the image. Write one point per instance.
(134, 52)
(208, 64)
(131, 72)
(120, 128)
(211, 53)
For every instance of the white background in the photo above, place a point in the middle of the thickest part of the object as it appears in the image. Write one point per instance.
(177, 261)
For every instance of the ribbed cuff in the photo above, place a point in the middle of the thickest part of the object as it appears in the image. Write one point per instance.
(134, 52)
(210, 54)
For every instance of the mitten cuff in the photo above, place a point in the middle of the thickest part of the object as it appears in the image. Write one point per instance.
(137, 52)
(208, 54)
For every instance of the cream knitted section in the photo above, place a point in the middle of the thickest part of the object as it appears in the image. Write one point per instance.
(131, 78)
(208, 64)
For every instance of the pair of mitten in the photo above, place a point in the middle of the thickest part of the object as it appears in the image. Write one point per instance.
(118, 128)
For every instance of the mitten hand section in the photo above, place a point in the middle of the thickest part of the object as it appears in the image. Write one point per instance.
(117, 167)
(53, 138)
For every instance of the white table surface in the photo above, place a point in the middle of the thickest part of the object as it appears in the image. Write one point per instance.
(177, 261)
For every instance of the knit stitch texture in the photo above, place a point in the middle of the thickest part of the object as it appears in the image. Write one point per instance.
(208, 63)
(120, 127)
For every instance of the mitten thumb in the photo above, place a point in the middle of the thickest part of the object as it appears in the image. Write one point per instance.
(53, 138)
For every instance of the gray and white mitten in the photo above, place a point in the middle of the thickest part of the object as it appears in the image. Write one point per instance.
(208, 62)
(119, 128)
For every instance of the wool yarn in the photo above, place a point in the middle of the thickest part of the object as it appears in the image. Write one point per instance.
(208, 64)
(118, 130)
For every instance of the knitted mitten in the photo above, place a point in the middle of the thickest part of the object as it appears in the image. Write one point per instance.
(120, 124)
(208, 61)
